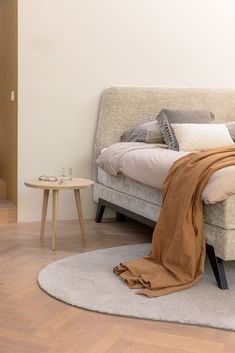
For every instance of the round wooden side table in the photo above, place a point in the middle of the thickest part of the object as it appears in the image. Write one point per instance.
(55, 186)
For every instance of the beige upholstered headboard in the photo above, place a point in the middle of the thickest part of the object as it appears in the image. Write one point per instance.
(124, 107)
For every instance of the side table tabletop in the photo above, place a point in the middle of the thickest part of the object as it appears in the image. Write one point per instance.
(55, 186)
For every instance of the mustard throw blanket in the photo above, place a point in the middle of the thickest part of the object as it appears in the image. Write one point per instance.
(178, 247)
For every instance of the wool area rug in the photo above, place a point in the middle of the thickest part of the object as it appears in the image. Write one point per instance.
(86, 280)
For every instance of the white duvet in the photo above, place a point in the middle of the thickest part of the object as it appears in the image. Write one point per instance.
(149, 164)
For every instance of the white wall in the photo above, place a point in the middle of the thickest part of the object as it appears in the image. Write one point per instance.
(69, 50)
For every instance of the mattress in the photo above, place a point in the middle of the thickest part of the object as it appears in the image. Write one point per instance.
(149, 164)
(221, 214)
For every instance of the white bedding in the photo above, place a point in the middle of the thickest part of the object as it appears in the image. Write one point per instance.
(150, 163)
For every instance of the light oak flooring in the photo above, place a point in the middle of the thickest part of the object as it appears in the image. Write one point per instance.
(33, 322)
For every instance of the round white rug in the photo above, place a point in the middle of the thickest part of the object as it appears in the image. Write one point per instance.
(87, 281)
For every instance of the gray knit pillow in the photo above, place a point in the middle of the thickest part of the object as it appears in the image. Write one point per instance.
(166, 117)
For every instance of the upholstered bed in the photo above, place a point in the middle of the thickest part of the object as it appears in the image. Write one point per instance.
(124, 107)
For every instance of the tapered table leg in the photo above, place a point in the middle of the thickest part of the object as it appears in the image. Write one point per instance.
(79, 209)
(44, 213)
(55, 198)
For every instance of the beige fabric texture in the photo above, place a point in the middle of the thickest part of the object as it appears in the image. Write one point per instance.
(201, 137)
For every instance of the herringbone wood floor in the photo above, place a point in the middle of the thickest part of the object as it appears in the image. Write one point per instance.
(33, 322)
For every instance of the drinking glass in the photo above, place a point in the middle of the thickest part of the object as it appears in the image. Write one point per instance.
(66, 173)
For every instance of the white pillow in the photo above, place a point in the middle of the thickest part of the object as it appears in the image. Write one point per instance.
(201, 137)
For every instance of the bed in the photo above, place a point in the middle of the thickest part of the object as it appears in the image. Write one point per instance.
(124, 107)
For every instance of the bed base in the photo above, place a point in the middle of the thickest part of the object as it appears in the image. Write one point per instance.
(217, 263)
(121, 213)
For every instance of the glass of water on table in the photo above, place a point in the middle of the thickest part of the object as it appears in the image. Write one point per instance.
(66, 173)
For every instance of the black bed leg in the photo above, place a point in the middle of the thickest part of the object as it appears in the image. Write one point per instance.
(120, 217)
(217, 267)
(99, 212)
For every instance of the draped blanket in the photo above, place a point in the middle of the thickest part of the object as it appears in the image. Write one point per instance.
(178, 246)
